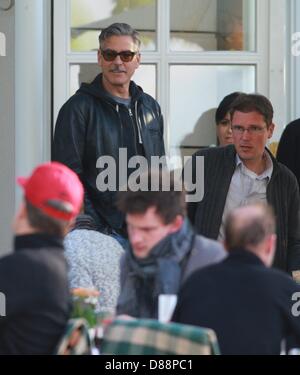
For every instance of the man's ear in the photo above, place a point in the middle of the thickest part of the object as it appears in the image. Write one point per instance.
(269, 247)
(70, 225)
(271, 244)
(138, 60)
(176, 223)
(99, 58)
(22, 211)
(271, 130)
(225, 245)
(20, 218)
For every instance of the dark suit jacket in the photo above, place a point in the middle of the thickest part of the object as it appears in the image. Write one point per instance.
(282, 195)
(288, 152)
(248, 305)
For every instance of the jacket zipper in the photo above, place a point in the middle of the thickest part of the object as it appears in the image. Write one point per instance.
(134, 130)
(138, 123)
(117, 109)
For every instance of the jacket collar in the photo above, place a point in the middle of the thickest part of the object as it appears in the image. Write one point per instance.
(230, 157)
(244, 256)
(96, 89)
(37, 241)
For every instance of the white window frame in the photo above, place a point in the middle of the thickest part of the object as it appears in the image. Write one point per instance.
(269, 59)
(293, 65)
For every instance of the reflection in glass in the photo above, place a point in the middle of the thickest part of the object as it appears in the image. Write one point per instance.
(213, 25)
(195, 92)
(88, 17)
(144, 76)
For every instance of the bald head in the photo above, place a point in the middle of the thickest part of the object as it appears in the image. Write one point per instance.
(251, 228)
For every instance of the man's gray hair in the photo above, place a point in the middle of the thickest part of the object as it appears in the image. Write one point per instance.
(119, 29)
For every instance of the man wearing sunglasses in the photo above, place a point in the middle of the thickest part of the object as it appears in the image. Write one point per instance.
(246, 172)
(110, 114)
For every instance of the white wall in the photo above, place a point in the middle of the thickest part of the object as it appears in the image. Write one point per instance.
(32, 84)
(25, 100)
(7, 128)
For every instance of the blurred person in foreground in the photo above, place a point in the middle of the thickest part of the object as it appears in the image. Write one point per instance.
(249, 305)
(94, 262)
(34, 277)
(164, 250)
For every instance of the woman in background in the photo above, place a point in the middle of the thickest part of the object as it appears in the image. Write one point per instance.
(223, 122)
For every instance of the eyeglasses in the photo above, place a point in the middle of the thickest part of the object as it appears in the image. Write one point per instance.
(110, 55)
(237, 129)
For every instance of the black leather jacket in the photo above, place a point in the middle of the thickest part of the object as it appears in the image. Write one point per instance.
(91, 124)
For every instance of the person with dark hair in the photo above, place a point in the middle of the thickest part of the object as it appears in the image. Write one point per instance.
(250, 306)
(222, 119)
(94, 262)
(34, 279)
(288, 152)
(107, 115)
(163, 251)
(246, 172)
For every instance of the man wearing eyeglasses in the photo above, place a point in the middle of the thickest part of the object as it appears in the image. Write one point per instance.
(246, 172)
(110, 114)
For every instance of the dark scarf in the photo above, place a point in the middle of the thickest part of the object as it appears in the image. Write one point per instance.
(159, 273)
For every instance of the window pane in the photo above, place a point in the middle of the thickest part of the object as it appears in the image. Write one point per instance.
(88, 17)
(192, 107)
(145, 76)
(213, 25)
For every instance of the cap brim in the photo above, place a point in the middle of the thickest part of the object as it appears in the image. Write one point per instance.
(22, 181)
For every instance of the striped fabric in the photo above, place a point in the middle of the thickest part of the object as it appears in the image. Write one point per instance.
(147, 336)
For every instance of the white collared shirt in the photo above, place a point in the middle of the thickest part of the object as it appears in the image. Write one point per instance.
(246, 187)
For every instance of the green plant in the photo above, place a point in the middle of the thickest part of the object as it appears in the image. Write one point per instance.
(84, 304)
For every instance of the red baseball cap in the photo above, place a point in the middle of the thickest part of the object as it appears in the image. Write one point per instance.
(55, 189)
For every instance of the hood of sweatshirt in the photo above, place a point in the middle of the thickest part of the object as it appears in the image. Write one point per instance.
(96, 89)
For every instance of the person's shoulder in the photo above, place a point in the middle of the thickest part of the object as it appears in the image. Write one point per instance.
(78, 99)
(141, 95)
(293, 127)
(209, 247)
(205, 253)
(216, 152)
(206, 242)
(276, 279)
(107, 243)
(76, 104)
(148, 100)
(8, 259)
(285, 172)
(201, 273)
(27, 260)
(86, 239)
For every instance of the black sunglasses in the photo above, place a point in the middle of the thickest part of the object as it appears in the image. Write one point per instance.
(110, 55)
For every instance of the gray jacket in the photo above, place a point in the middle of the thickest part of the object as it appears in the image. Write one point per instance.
(168, 265)
(94, 262)
(204, 253)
